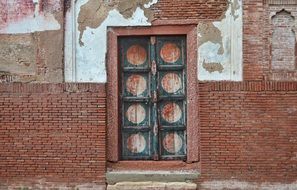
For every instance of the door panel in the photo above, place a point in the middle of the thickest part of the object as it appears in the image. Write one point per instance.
(136, 144)
(153, 97)
(171, 84)
(173, 144)
(135, 52)
(171, 51)
(136, 85)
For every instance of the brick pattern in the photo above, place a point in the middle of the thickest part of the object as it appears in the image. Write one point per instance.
(254, 65)
(190, 9)
(258, 40)
(52, 131)
(283, 42)
(57, 132)
(280, 40)
(248, 131)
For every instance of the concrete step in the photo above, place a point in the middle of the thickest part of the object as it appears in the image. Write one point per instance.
(151, 180)
(149, 185)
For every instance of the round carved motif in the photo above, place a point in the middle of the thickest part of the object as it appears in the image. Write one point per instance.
(136, 84)
(171, 83)
(136, 143)
(170, 53)
(135, 113)
(172, 143)
(171, 112)
(136, 55)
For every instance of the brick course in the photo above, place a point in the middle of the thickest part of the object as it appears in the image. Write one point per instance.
(56, 132)
(248, 131)
(52, 131)
(190, 9)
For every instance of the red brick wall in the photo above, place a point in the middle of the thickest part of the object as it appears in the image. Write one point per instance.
(248, 131)
(54, 132)
(254, 66)
(283, 42)
(257, 41)
(190, 9)
(281, 68)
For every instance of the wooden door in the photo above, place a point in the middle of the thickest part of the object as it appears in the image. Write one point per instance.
(153, 97)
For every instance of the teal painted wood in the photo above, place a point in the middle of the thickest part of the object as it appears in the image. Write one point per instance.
(153, 97)
(136, 125)
(172, 97)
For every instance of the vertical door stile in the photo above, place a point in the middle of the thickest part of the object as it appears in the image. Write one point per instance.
(154, 98)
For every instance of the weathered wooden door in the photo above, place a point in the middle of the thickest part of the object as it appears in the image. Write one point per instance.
(153, 97)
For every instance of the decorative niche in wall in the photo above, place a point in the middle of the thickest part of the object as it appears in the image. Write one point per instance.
(283, 47)
(282, 39)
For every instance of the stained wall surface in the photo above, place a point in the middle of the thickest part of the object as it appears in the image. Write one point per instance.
(31, 38)
(54, 135)
(219, 32)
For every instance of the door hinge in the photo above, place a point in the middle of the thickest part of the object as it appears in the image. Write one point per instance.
(153, 40)
(155, 129)
(154, 97)
(154, 67)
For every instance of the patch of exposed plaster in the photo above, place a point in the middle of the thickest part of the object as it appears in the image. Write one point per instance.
(207, 32)
(220, 42)
(212, 67)
(17, 54)
(91, 15)
(32, 22)
(94, 12)
(148, 5)
(88, 63)
(235, 8)
(90, 40)
(234, 184)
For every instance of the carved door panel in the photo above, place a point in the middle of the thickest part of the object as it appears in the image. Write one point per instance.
(153, 98)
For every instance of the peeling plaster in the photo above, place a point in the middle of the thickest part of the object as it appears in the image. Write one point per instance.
(235, 8)
(212, 67)
(148, 5)
(94, 12)
(219, 51)
(30, 22)
(241, 185)
(17, 54)
(88, 45)
(91, 15)
(208, 32)
(221, 42)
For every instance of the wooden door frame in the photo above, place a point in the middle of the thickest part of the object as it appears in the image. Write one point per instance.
(190, 31)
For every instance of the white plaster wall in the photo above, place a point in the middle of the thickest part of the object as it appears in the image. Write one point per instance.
(231, 59)
(36, 22)
(88, 63)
